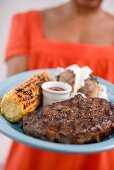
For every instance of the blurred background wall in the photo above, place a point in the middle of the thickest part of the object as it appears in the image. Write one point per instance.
(7, 9)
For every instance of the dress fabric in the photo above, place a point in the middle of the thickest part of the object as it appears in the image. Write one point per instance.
(26, 38)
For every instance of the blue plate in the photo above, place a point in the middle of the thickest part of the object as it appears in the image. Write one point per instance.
(15, 132)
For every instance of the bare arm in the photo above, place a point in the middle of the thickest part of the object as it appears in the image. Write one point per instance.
(16, 65)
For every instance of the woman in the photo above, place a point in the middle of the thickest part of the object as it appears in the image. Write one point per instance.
(78, 32)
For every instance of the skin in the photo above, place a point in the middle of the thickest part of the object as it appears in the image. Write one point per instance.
(79, 21)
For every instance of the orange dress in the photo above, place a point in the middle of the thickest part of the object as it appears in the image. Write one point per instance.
(27, 38)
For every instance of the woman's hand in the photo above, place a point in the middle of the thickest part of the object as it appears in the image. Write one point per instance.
(16, 65)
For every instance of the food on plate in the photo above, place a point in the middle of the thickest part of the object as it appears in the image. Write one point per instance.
(74, 110)
(82, 81)
(24, 98)
(74, 75)
(75, 121)
(90, 88)
(67, 76)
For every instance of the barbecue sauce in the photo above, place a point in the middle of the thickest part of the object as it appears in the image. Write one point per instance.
(56, 89)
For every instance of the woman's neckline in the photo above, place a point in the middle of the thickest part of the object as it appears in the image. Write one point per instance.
(66, 42)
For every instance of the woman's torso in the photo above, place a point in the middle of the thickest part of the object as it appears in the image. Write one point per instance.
(52, 53)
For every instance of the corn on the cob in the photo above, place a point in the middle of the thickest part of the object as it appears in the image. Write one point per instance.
(24, 98)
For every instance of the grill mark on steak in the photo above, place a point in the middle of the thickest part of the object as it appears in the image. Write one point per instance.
(77, 120)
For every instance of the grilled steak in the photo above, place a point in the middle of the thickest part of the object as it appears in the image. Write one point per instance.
(78, 120)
